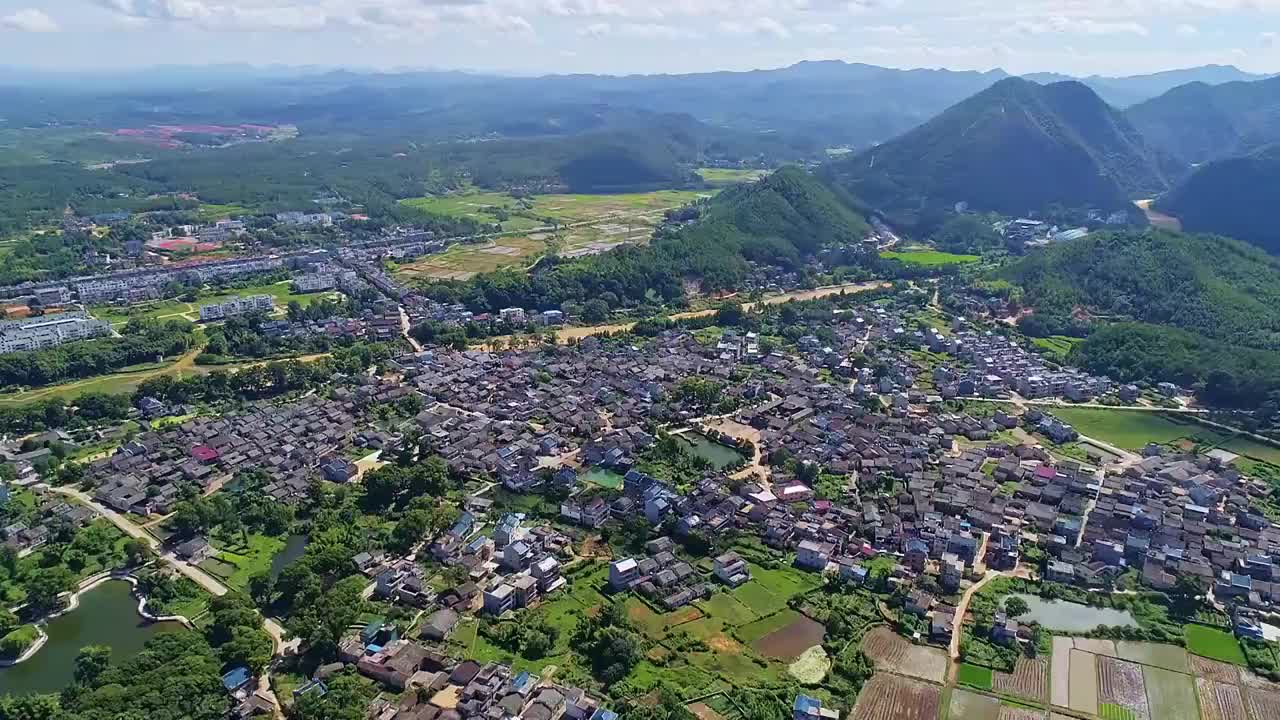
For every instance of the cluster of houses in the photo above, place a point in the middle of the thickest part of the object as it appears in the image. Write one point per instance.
(444, 688)
(288, 442)
(1183, 516)
(26, 528)
(660, 576)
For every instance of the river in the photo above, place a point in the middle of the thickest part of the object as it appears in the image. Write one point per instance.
(107, 615)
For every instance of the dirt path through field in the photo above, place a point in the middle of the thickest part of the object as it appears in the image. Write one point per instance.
(564, 335)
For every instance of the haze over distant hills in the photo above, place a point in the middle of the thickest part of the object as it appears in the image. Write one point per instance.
(1200, 122)
(836, 103)
(1013, 148)
(1234, 196)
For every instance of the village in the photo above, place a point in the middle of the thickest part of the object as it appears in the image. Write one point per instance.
(730, 490)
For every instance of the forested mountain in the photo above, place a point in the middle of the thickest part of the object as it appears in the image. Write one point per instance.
(778, 220)
(1235, 197)
(1200, 123)
(1123, 92)
(1199, 308)
(1013, 148)
(1215, 286)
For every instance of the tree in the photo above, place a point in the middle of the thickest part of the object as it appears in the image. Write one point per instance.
(17, 641)
(1016, 607)
(137, 552)
(8, 621)
(92, 661)
(44, 588)
(595, 311)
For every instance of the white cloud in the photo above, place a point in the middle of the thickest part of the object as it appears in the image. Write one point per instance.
(29, 20)
(765, 26)
(1185, 30)
(817, 29)
(649, 31)
(1061, 24)
(1270, 40)
(893, 30)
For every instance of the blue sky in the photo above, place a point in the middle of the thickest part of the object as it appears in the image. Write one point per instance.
(1111, 37)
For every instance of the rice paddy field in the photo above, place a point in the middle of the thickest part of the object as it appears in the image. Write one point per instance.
(465, 261)
(967, 705)
(1133, 430)
(928, 258)
(1146, 681)
(569, 225)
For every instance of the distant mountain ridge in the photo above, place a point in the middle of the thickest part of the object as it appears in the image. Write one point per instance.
(1234, 197)
(1013, 148)
(1123, 92)
(1201, 123)
(832, 102)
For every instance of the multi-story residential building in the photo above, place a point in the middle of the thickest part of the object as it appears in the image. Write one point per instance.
(49, 331)
(237, 307)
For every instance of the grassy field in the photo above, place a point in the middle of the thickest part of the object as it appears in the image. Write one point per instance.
(1132, 430)
(1214, 644)
(730, 176)
(1253, 449)
(281, 293)
(236, 561)
(928, 258)
(490, 208)
(209, 212)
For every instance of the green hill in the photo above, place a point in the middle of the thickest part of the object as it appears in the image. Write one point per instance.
(778, 220)
(1013, 148)
(1234, 197)
(1215, 286)
(1193, 309)
(1200, 123)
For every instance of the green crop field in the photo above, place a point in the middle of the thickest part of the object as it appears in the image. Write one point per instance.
(1133, 429)
(758, 629)
(1109, 711)
(209, 212)
(730, 176)
(1214, 644)
(1057, 346)
(975, 676)
(724, 607)
(929, 258)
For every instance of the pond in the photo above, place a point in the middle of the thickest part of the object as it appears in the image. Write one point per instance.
(720, 456)
(293, 549)
(107, 615)
(1073, 617)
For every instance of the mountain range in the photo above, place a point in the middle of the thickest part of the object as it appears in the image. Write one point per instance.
(1233, 196)
(832, 102)
(1200, 122)
(1014, 148)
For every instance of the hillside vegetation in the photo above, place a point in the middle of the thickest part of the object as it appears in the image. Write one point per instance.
(1235, 197)
(1200, 123)
(1215, 286)
(1013, 148)
(778, 220)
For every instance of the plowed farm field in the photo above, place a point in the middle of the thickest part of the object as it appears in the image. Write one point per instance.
(1220, 701)
(889, 697)
(894, 653)
(1263, 705)
(1120, 683)
(1214, 670)
(1029, 680)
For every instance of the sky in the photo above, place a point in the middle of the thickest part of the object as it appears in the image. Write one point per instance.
(1079, 37)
